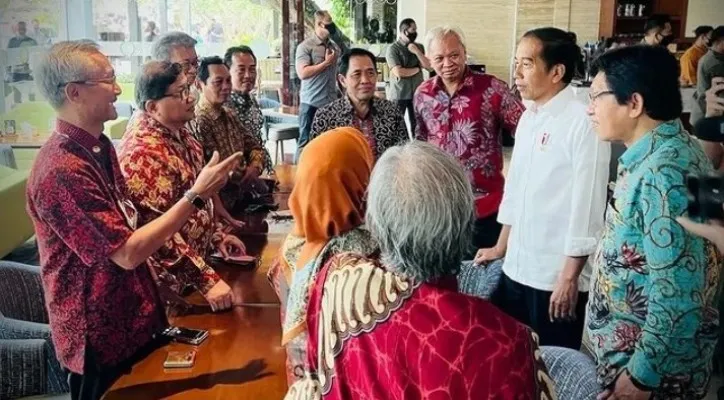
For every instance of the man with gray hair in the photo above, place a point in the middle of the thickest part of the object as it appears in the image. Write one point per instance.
(464, 113)
(404, 310)
(178, 47)
(103, 307)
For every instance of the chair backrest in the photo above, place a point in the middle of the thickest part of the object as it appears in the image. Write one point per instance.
(265, 103)
(573, 372)
(22, 292)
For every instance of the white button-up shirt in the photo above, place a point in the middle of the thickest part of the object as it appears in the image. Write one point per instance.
(555, 192)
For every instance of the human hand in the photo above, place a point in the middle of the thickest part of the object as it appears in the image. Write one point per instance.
(563, 301)
(712, 230)
(215, 175)
(624, 389)
(330, 56)
(231, 246)
(220, 296)
(715, 98)
(414, 49)
(490, 254)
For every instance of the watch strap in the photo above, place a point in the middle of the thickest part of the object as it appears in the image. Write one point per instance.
(195, 199)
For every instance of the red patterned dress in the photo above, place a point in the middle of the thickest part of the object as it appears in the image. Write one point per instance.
(159, 167)
(468, 126)
(375, 335)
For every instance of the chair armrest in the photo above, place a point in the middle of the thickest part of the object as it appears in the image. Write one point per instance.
(22, 368)
(16, 329)
(22, 291)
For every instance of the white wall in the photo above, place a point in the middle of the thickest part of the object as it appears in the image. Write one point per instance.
(417, 10)
(704, 12)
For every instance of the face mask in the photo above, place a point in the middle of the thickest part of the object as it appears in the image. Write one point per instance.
(411, 36)
(667, 40)
(331, 28)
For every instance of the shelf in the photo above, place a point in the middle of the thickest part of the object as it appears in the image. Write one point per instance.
(631, 18)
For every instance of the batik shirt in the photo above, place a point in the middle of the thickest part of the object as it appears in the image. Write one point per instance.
(468, 126)
(383, 127)
(652, 307)
(159, 167)
(79, 205)
(219, 129)
(251, 118)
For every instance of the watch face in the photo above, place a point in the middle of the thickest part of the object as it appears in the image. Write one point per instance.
(199, 203)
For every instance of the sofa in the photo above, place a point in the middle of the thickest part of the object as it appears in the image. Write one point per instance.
(28, 364)
(17, 226)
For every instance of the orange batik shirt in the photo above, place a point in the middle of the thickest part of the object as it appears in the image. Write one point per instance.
(159, 167)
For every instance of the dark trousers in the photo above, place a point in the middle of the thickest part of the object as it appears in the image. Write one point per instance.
(306, 117)
(485, 233)
(530, 307)
(97, 379)
(407, 106)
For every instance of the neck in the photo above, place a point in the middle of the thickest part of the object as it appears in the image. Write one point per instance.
(95, 128)
(404, 40)
(643, 126)
(361, 107)
(452, 86)
(172, 126)
(542, 100)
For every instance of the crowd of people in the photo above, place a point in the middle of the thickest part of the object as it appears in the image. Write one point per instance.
(384, 218)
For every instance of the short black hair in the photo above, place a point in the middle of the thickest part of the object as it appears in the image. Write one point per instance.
(558, 48)
(406, 23)
(716, 35)
(650, 71)
(702, 30)
(206, 62)
(237, 49)
(354, 52)
(656, 21)
(154, 80)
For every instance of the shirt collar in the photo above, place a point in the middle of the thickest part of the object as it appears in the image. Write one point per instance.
(649, 143)
(318, 41)
(209, 110)
(349, 107)
(556, 104)
(467, 80)
(81, 136)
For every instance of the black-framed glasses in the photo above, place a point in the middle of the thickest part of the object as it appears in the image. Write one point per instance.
(594, 96)
(110, 81)
(187, 65)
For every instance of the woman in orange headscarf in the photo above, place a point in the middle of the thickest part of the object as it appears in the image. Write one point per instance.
(327, 204)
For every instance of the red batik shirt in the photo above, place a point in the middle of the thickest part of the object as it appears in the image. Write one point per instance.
(468, 125)
(77, 201)
(376, 335)
(159, 167)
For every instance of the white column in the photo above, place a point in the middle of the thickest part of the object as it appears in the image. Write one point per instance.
(79, 20)
(417, 10)
(162, 16)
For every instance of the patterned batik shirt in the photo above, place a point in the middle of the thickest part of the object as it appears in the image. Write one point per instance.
(251, 118)
(218, 128)
(383, 127)
(79, 205)
(468, 125)
(159, 167)
(652, 305)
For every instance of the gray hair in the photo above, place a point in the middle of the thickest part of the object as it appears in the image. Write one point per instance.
(164, 45)
(420, 210)
(65, 62)
(438, 33)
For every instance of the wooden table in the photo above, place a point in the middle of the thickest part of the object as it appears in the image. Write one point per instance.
(243, 357)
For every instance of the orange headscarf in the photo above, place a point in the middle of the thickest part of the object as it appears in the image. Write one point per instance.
(329, 188)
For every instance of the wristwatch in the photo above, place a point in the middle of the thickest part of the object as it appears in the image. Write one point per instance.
(195, 199)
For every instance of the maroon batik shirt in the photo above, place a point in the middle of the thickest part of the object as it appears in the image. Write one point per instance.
(468, 126)
(77, 201)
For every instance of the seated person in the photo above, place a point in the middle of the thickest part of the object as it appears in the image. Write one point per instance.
(380, 120)
(218, 128)
(398, 328)
(328, 208)
(160, 160)
(242, 66)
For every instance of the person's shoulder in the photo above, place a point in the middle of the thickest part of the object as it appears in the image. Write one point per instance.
(58, 163)
(385, 105)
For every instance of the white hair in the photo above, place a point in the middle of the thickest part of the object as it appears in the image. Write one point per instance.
(438, 33)
(420, 210)
(65, 62)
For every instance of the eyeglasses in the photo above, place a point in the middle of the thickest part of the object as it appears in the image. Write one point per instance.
(183, 94)
(109, 81)
(594, 96)
(187, 66)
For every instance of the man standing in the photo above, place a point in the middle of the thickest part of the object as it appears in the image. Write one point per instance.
(219, 130)
(555, 196)
(710, 66)
(316, 66)
(378, 119)
(657, 31)
(689, 61)
(406, 60)
(105, 313)
(464, 112)
(21, 71)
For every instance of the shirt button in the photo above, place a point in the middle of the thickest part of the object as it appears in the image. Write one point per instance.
(96, 149)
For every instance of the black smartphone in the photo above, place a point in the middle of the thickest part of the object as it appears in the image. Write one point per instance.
(186, 335)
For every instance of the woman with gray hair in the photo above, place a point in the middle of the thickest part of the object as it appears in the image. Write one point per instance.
(398, 328)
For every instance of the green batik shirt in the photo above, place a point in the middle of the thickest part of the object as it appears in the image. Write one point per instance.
(652, 306)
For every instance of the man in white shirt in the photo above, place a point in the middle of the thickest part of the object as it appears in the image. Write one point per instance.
(554, 198)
